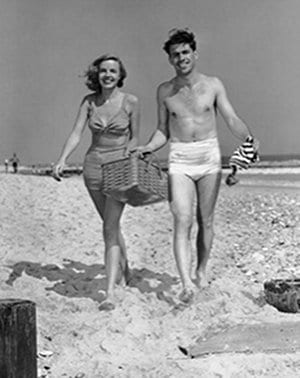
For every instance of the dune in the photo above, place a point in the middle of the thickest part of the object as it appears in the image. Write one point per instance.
(52, 253)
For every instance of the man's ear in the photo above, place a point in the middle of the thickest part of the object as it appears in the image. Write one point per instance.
(196, 55)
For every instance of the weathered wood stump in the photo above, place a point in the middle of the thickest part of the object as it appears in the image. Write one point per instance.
(18, 349)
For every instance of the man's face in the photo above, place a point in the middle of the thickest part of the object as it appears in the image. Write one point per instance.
(182, 58)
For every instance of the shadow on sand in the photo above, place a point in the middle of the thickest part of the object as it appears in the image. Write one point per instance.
(78, 280)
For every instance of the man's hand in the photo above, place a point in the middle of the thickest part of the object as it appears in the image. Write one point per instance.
(255, 145)
(231, 180)
(142, 150)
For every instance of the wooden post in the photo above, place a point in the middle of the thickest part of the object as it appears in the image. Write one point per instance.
(18, 350)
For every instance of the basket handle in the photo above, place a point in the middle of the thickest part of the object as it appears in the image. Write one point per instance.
(150, 158)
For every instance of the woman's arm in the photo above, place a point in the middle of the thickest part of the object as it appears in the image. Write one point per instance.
(73, 139)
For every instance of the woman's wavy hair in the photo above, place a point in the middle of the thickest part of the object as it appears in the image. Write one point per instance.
(92, 73)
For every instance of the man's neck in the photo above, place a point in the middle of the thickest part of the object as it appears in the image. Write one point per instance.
(188, 80)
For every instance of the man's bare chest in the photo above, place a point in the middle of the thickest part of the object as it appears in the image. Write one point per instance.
(195, 101)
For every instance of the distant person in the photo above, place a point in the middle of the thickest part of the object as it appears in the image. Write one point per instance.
(15, 162)
(6, 163)
(33, 169)
(113, 118)
(187, 108)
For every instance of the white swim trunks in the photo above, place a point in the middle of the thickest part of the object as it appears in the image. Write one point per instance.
(195, 159)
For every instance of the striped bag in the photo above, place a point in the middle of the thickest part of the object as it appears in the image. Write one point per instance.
(244, 155)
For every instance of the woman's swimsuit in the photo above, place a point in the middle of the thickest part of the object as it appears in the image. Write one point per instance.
(97, 155)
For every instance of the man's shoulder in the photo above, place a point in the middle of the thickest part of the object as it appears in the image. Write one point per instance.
(166, 88)
(166, 85)
(213, 84)
(211, 80)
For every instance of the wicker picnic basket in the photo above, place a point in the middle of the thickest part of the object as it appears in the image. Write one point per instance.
(283, 294)
(135, 180)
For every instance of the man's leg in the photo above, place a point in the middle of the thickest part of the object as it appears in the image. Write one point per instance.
(207, 194)
(182, 191)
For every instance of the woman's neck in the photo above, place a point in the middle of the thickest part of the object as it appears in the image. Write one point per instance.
(109, 94)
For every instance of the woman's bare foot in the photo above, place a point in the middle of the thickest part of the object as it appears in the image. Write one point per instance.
(187, 295)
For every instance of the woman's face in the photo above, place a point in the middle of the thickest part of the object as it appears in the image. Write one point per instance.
(109, 74)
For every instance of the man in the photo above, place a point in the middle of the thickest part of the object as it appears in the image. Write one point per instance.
(187, 108)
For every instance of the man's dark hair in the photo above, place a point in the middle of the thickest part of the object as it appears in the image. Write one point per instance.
(180, 36)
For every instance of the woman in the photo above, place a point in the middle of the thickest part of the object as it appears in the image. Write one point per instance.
(113, 118)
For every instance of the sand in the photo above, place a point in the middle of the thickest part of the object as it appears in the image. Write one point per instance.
(52, 253)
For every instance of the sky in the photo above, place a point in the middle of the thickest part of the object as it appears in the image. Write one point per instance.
(45, 47)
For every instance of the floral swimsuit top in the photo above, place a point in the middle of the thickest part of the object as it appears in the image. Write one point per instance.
(117, 125)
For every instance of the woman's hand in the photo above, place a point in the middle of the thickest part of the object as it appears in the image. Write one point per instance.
(142, 150)
(57, 170)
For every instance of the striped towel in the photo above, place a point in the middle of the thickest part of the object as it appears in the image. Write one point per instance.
(244, 155)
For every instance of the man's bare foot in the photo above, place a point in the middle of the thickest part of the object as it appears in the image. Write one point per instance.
(201, 279)
(124, 275)
(187, 295)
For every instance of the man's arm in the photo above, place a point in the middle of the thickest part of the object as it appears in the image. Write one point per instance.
(134, 123)
(235, 124)
(161, 134)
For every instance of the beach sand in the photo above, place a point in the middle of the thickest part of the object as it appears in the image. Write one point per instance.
(52, 253)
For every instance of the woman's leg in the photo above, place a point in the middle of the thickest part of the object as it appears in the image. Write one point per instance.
(110, 212)
(114, 242)
(99, 200)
